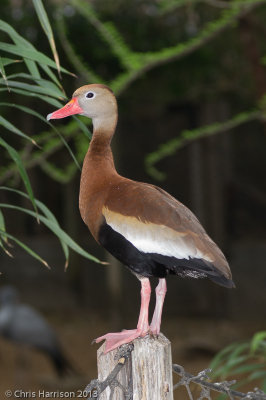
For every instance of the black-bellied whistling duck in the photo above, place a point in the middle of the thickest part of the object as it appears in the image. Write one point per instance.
(140, 224)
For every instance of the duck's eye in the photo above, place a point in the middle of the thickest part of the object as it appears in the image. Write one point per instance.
(89, 95)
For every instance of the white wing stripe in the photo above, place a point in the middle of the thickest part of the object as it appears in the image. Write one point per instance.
(153, 238)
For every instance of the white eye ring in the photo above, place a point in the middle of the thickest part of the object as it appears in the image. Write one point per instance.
(90, 95)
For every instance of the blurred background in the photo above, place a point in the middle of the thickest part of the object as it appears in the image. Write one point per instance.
(190, 81)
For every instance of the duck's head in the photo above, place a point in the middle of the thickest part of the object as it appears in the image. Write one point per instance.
(95, 101)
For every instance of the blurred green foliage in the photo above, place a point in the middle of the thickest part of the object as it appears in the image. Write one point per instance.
(245, 360)
(48, 90)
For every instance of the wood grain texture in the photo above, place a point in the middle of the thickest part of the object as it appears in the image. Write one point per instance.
(147, 373)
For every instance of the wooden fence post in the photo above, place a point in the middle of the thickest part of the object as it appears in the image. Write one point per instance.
(147, 372)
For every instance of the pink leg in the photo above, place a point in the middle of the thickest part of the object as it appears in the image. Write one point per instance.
(157, 315)
(114, 340)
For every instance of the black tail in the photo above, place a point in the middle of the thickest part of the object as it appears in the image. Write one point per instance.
(193, 268)
(223, 281)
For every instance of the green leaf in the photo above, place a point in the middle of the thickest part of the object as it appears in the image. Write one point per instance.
(2, 71)
(2, 223)
(25, 247)
(16, 158)
(83, 126)
(20, 41)
(30, 54)
(257, 340)
(8, 61)
(57, 231)
(43, 18)
(52, 76)
(26, 110)
(52, 218)
(35, 88)
(220, 357)
(4, 122)
(47, 99)
(165, 6)
(42, 207)
(32, 67)
(228, 358)
(239, 348)
(36, 114)
(67, 146)
(257, 375)
(248, 368)
(226, 369)
(45, 83)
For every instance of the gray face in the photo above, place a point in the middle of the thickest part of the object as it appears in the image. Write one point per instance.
(98, 102)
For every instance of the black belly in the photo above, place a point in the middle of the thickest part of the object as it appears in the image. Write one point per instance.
(157, 265)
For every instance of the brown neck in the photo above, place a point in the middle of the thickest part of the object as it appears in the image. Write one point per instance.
(98, 166)
(100, 146)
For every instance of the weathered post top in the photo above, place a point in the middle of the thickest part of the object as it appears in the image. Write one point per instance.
(146, 375)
